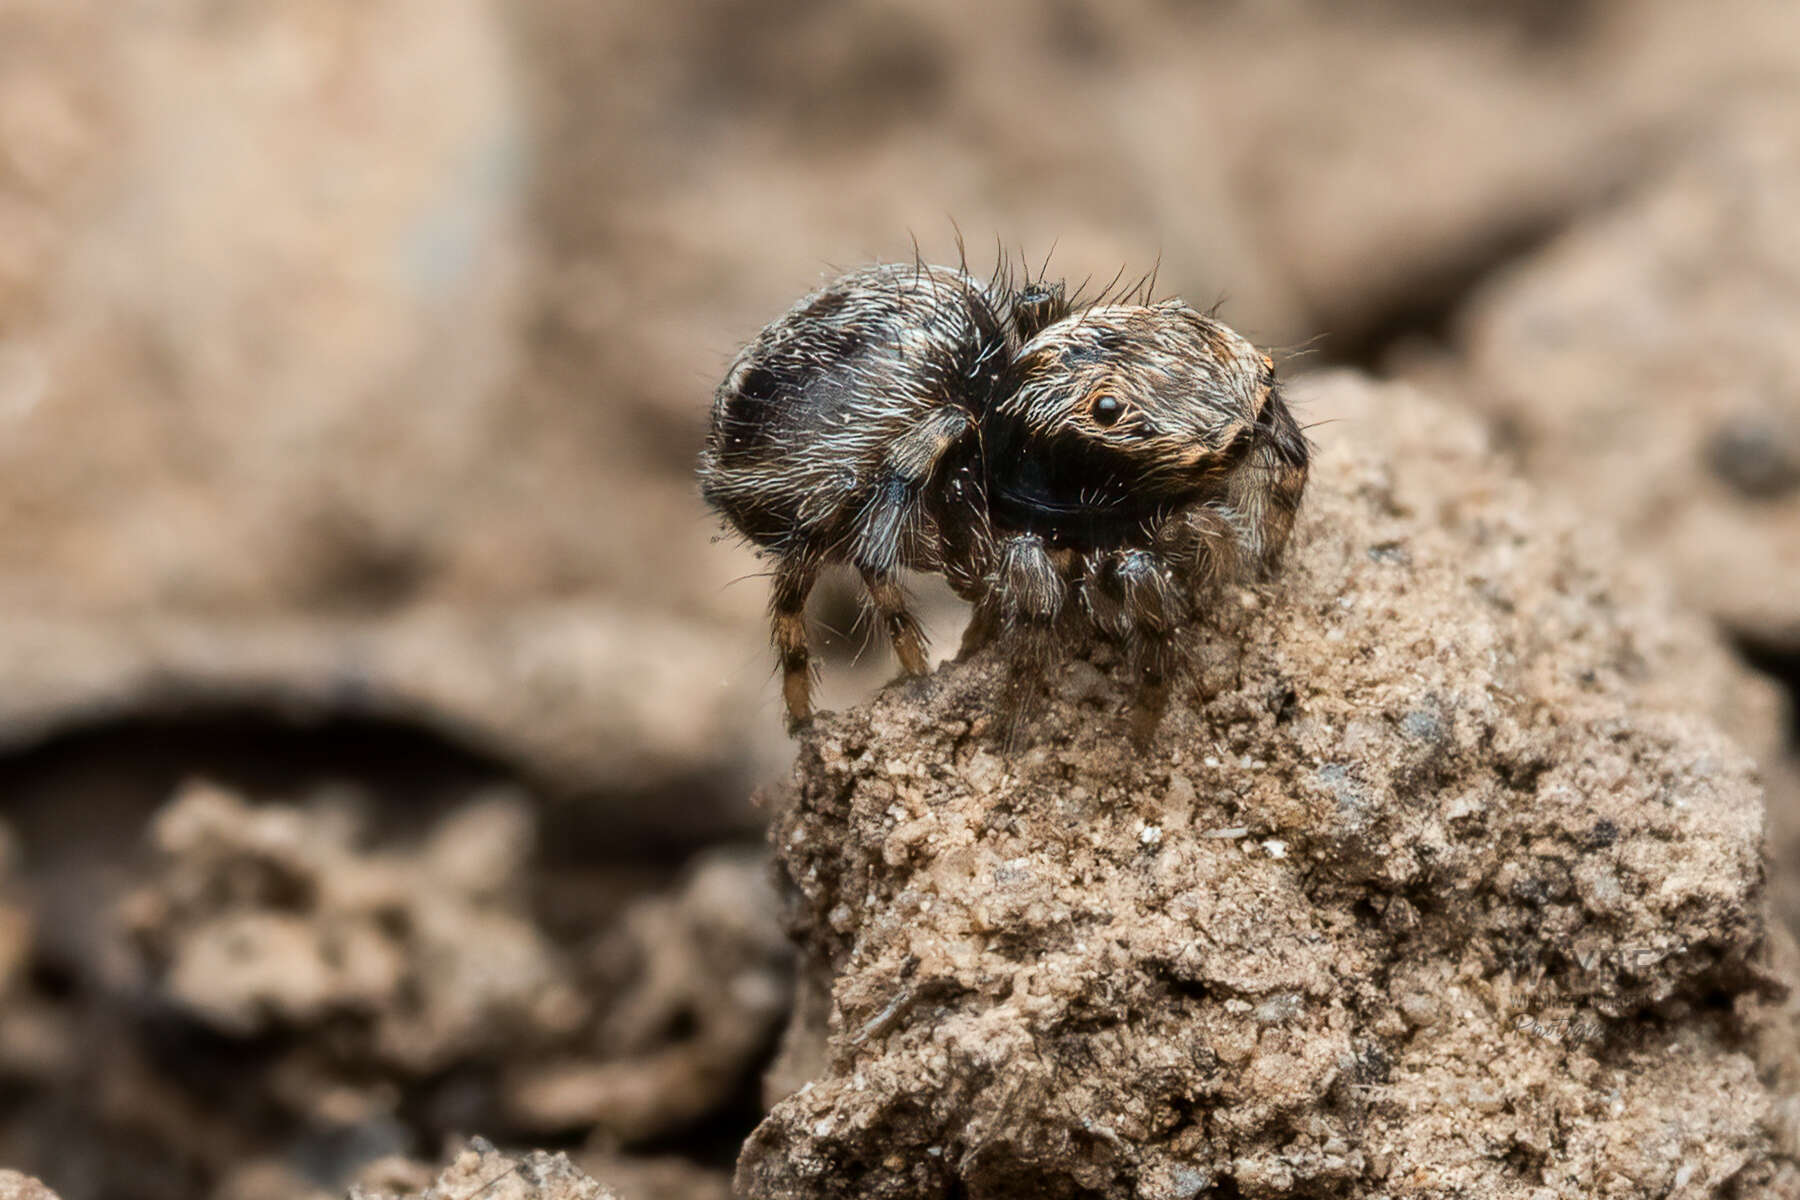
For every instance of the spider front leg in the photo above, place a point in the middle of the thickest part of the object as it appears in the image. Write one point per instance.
(983, 627)
(889, 521)
(1265, 493)
(1024, 601)
(1133, 595)
(1205, 547)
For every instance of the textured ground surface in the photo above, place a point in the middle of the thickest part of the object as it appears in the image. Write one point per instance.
(333, 996)
(1442, 881)
(1640, 367)
(362, 635)
(484, 1172)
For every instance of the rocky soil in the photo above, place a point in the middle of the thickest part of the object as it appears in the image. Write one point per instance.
(283, 996)
(483, 1171)
(1639, 366)
(381, 721)
(1441, 882)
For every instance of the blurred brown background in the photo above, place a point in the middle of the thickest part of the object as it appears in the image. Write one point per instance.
(354, 355)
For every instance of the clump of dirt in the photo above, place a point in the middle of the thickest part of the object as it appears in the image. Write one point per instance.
(289, 992)
(479, 1171)
(402, 965)
(693, 986)
(1639, 365)
(1440, 878)
(482, 1171)
(258, 920)
(14, 1186)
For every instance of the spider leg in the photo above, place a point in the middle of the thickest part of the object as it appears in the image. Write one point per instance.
(787, 612)
(1151, 606)
(888, 599)
(890, 518)
(1265, 491)
(1025, 601)
(1205, 546)
(1101, 596)
(983, 627)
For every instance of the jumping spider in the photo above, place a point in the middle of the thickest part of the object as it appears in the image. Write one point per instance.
(1061, 465)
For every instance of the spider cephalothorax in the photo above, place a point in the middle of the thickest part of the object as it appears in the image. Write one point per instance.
(1135, 457)
(1061, 466)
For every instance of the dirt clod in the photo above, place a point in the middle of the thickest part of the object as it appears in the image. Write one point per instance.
(14, 1186)
(276, 918)
(337, 996)
(482, 1171)
(1472, 906)
(694, 986)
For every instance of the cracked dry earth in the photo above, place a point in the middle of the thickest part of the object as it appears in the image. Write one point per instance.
(1441, 881)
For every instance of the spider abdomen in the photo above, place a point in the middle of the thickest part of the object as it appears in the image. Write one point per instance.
(806, 416)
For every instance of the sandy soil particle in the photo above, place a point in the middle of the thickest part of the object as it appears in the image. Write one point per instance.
(1440, 881)
(482, 1171)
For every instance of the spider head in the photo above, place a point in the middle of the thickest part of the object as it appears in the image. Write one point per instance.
(1120, 414)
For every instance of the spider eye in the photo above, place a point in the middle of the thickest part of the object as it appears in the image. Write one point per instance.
(1107, 411)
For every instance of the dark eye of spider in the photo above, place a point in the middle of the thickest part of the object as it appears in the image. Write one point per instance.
(1107, 411)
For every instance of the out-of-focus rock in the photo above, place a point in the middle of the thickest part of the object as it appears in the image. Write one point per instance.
(484, 1172)
(656, 1178)
(1781, 776)
(268, 430)
(628, 1176)
(276, 919)
(1439, 877)
(273, 919)
(271, 1179)
(264, 335)
(37, 1040)
(1425, 194)
(1644, 365)
(14, 1186)
(1323, 168)
(292, 997)
(694, 987)
(578, 697)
